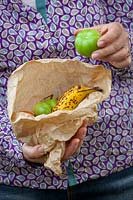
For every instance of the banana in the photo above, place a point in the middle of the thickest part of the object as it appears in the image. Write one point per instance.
(73, 97)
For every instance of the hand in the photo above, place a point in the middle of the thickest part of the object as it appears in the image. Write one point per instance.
(35, 153)
(113, 45)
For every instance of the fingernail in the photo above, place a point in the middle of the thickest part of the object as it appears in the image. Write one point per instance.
(41, 149)
(95, 55)
(101, 43)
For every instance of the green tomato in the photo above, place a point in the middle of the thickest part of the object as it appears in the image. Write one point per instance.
(42, 108)
(51, 102)
(86, 42)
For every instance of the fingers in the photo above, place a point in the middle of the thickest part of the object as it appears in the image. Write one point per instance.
(81, 132)
(85, 123)
(110, 48)
(120, 55)
(81, 135)
(30, 153)
(71, 148)
(75, 143)
(114, 31)
(114, 47)
(123, 63)
(119, 59)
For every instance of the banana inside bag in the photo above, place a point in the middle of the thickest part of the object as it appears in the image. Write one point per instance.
(79, 88)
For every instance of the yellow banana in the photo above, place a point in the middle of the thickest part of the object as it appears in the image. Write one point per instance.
(73, 97)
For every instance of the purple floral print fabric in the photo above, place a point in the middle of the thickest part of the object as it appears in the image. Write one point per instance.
(108, 146)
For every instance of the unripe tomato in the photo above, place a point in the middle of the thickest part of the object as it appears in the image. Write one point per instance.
(42, 108)
(51, 102)
(86, 41)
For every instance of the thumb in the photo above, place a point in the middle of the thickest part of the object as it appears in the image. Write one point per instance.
(32, 152)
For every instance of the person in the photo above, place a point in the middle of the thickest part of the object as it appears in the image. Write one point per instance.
(103, 167)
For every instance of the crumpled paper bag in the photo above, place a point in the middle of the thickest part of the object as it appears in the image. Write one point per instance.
(35, 80)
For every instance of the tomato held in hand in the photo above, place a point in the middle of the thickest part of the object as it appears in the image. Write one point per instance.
(86, 41)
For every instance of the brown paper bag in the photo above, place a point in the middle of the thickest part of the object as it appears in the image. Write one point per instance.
(35, 80)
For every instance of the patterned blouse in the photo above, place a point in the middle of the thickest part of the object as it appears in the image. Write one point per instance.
(26, 34)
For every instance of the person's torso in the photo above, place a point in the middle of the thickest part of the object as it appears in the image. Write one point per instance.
(26, 35)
